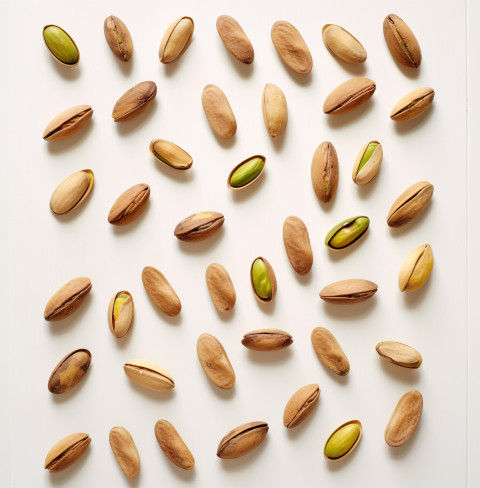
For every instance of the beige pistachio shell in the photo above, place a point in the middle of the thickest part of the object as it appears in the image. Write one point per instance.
(67, 299)
(273, 281)
(404, 419)
(329, 351)
(267, 340)
(161, 291)
(134, 101)
(324, 171)
(348, 96)
(129, 205)
(215, 362)
(300, 405)
(66, 452)
(413, 104)
(410, 203)
(121, 311)
(149, 375)
(170, 154)
(275, 113)
(242, 440)
(199, 226)
(343, 443)
(370, 168)
(349, 291)
(399, 354)
(235, 39)
(220, 287)
(218, 112)
(297, 245)
(68, 122)
(125, 451)
(71, 192)
(69, 371)
(173, 445)
(176, 39)
(401, 42)
(416, 268)
(291, 47)
(343, 45)
(118, 38)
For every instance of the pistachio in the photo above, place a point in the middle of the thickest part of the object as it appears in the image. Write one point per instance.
(401, 42)
(176, 39)
(368, 162)
(215, 362)
(67, 299)
(199, 226)
(66, 452)
(129, 205)
(160, 291)
(275, 113)
(349, 291)
(404, 419)
(68, 123)
(410, 203)
(120, 313)
(69, 371)
(220, 287)
(343, 440)
(242, 440)
(349, 95)
(173, 446)
(118, 38)
(61, 46)
(134, 101)
(297, 245)
(149, 375)
(347, 232)
(235, 39)
(342, 44)
(71, 192)
(324, 171)
(246, 172)
(291, 47)
(329, 351)
(300, 405)
(399, 354)
(413, 104)
(416, 268)
(170, 154)
(263, 281)
(125, 451)
(218, 112)
(267, 340)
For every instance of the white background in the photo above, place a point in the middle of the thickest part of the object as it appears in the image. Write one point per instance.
(45, 251)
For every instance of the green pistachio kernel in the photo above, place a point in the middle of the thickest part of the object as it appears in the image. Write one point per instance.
(60, 44)
(342, 441)
(247, 172)
(261, 279)
(347, 232)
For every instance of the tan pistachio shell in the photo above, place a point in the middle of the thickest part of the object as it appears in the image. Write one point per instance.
(66, 452)
(118, 38)
(67, 123)
(67, 299)
(235, 39)
(238, 188)
(352, 448)
(69, 371)
(416, 268)
(218, 112)
(410, 203)
(121, 325)
(149, 375)
(273, 280)
(297, 245)
(242, 440)
(267, 340)
(300, 405)
(173, 445)
(348, 291)
(413, 104)
(215, 362)
(370, 168)
(404, 419)
(275, 112)
(129, 205)
(399, 354)
(324, 171)
(401, 42)
(170, 154)
(349, 95)
(134, 101)
(220, 287)
(291, 47)
(343, 45)
(125, 451)
(329, 351)
(199, 226)
(161, 291)
(176, 39)
(71, 192)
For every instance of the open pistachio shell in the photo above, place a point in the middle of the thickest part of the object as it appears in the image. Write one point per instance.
(71, 192)
(246, 172)
(170, 154)
(121, 311)
(347, 232)
(410, 203)
(416, 268)
(264, 285)
(61, 45)
(368, 162)
(343, 440)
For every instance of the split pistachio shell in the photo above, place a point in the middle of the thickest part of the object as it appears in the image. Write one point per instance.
(416, 268)
(329, 351)
(347, 232)
(118, 38)
(324, 171)
(120, 314)
(125, 451)
(67, 299)
(246, 172)
(291, 47)
(404, 419)
(218, 112)
(275, 113)
(71, 192)
(129, 205)
(300, 405)
(242, 440)
(368, 162)
(297, 245)
(401, 42)
(173, 445)
(134, 101)
(68, 123)
(176, 39)
(410, 203)
(69, 371)
(149, 375)
(342, 44)
(343, 440)
(413, 104)
(66, 452)
(61, 46)
(215, 362)
(267, 340)
(161, 291)
(399, 354)
(220, 287)
(170, 154)
(199, 226)
(263, 280)
(235, 39)
(349, 95)
(349, 291)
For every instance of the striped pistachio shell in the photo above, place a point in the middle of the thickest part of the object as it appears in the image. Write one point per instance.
(342, 44)
(61, 45)
(329, 351)
(69, 371)
(149, 375)
(71, 192)
(170, 154)
(399, 354)
(410, 203)
(66, 452)
(404, 419)
(416, 268)
(263, 280)
(349, 95)
(176, 39)
(215, 362)
(68, 122)
(275, 112)
(267, 340)
(413, 104)
(300, 405)
(246, 172)
(343, 440)
(368, 162)
(242, 440)
(235, 39)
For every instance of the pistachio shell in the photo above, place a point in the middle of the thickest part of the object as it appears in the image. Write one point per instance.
(343, 440)
(410, 203)
(176, 39)
(267, 340)
(300, 405)
(120, 314)
(170, 154)
(125, 451)
(342, 44)
(401, 41)
(129, 205)
(71, 192)
(297, 245)
(404, 419)
(349, 291)
(347, 232)
(416, 268)
(266, 275)
(246, 172)
(67, 299)
(235, 39)
(118, 38)
(218, 112)
(242, 440)
(161, 291)
(149, 375)
(349, 95)
(66, 452)
(329, 351)
(291, 47)
(68, 123)
(413, 104)
(61, 45)
(399, 354)
(368, 162)
(173, 445)
(220, 287)
(275, 113)
(215, 362)
(199, 226)
(69, 371)
(134, 101)
(324, 171)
